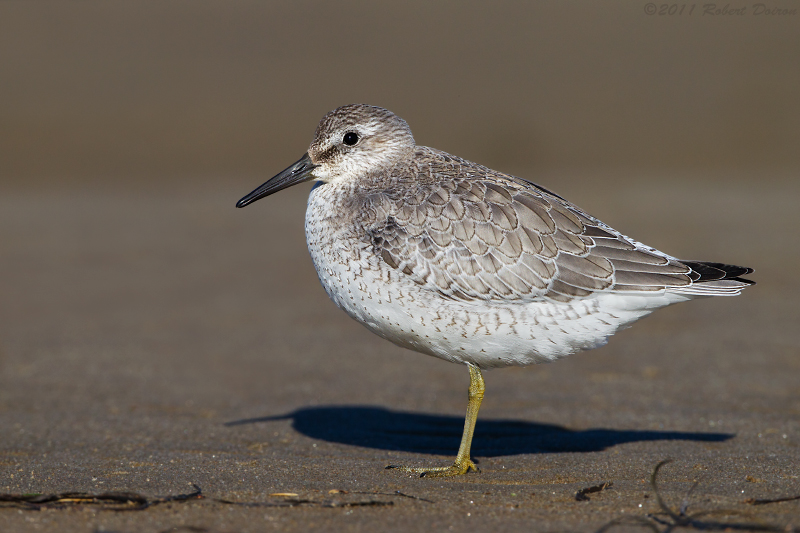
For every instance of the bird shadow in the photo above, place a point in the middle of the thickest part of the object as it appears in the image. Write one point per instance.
(384, 429)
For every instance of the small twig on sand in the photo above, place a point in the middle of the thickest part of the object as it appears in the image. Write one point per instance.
(754, 501)
(581, 495)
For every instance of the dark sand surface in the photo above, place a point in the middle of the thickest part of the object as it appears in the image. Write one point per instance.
(153, 337)
(157, 337)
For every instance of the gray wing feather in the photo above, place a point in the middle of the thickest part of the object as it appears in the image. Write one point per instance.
(474, 233)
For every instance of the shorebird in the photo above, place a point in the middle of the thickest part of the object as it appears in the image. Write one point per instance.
(452, 259)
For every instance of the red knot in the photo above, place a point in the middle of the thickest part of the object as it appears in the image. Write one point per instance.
(452, 259)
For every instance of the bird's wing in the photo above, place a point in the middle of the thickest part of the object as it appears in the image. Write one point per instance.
(482, 235)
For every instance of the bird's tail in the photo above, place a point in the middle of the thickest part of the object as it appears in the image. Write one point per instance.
(714, 279)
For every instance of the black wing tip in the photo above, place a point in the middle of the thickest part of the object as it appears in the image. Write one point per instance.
(710, 271)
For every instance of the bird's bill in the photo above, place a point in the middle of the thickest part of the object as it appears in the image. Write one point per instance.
(297, 173)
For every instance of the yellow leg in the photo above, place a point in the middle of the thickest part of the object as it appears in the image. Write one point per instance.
(463, 463)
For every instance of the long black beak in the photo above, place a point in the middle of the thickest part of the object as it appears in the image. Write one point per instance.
(297, 173)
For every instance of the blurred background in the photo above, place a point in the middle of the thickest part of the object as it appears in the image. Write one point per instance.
(140, 312)
(193, 89)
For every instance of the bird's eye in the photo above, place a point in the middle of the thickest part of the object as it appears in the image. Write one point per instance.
(350, 138)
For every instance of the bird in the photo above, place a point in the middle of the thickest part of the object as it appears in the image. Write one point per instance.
(455, 260)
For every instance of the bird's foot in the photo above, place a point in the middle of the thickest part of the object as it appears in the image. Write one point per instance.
(458, 468)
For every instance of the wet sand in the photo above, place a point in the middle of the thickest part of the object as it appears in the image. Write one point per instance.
(156, 337)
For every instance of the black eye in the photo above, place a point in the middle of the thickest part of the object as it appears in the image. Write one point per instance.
(350, 138)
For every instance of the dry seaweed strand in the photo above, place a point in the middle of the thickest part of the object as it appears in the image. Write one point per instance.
(397, 493)
(131, 501)
(682, 519)
(112, 501)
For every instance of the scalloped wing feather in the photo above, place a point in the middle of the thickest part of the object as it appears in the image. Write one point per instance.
(468, 232)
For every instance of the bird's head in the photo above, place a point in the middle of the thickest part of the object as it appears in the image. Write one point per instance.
(350, 142)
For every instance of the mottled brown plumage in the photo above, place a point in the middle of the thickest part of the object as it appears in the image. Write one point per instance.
(469, 232)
